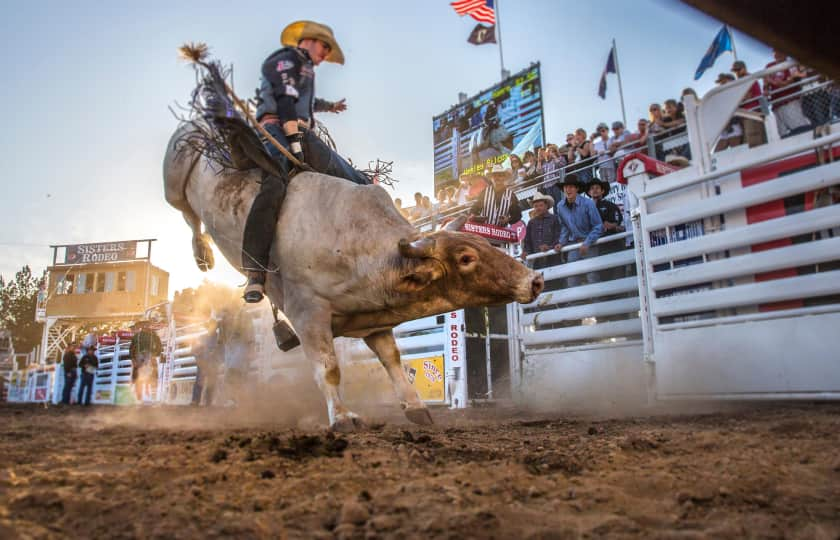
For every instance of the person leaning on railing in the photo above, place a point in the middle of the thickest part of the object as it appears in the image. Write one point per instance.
(754, 133)
(543, 230)
(579, 223)
(780, 84)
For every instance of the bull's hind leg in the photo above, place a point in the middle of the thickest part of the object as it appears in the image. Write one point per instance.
(385, 347)
(202, 252)
(314, 324)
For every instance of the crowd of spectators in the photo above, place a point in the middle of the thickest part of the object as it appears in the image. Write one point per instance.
(574, 178)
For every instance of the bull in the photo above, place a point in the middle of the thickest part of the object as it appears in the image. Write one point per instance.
(347, 264)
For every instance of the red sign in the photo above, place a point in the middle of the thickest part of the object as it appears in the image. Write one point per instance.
(107, 340)
(98, 253)
(491, 232)
(125, 334)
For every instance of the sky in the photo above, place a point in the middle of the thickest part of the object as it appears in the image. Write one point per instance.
(87, 88)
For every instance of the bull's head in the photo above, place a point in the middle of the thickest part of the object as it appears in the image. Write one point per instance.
(465, 269)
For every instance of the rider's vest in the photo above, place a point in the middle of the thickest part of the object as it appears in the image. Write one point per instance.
(287, 72)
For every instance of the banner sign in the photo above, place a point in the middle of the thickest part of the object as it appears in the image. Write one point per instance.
(99, 253)
(426, 375)
(491, 232)
(486, 128)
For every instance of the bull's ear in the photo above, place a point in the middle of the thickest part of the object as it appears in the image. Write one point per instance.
(418, 278)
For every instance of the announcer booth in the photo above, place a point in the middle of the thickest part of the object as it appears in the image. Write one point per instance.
(97, 291)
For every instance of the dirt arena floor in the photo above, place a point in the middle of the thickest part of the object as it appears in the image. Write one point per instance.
(756, 471)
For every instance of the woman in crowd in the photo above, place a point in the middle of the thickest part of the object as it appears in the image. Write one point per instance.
(517, 168)
(582, 153)
(529, 163)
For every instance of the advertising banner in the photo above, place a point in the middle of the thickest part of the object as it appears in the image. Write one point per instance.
(98, 253)
(426, 375)
(486, 128)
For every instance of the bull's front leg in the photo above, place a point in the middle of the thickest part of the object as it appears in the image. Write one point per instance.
(385, 347)
(314, 322)
(202, 252)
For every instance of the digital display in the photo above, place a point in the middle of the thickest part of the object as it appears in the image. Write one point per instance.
(486, 128)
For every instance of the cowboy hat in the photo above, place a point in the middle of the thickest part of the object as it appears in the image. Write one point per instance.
(499, 170)
(605, 186)
(548, 199)
(300, 30)
(572, 180)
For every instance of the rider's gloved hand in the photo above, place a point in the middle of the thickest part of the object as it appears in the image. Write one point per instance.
(296, 146)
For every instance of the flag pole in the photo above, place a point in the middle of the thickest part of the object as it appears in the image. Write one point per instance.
(732, 39)
(499, 39)
(620, 90)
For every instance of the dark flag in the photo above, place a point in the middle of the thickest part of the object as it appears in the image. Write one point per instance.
(721, 44)
(482, 34)
(609, 68)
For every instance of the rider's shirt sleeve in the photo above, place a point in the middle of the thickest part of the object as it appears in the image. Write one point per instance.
(283, 72)
(322, 105)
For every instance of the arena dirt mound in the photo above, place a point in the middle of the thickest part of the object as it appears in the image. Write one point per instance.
(763, 472)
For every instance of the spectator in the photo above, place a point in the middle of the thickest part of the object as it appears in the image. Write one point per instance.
(570, 142)
(69, 362)
(400, 209)
(88, 364)
(143, 351)
(674, 116)
(463, 190)
(451, 200)
(529, 163)
(426, 204)
(417, 211)
(517, 168)
(552, 167)
(582, 152)
(674, 119)
(733, 134)
(543, 231)
(641, 136)
(754, 132)
(619, 143)
(498, 205)
(440, 205)
(689, 92)
(606, 165)
(655, 125)
(778, 86)
(579, 223)
(612, 218)
(477, 185)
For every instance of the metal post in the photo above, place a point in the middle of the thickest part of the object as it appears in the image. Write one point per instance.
(489, 367)
(499, 40)
(620, 90)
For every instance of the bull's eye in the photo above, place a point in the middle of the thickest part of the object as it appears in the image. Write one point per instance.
(464, 260)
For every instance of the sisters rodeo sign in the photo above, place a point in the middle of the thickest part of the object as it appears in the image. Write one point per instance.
(98, 253)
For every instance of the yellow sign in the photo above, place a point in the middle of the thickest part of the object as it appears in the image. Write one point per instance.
(426, 375)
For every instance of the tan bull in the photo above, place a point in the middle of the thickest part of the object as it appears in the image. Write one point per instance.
(348, 264)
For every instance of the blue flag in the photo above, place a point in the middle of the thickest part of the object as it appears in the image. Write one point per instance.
(609, 68)
(721, 44)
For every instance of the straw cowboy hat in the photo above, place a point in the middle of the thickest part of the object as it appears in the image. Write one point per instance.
(547, 199)
(503, 171)
(300, 30)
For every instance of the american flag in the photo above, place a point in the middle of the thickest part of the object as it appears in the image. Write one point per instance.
(480, 10)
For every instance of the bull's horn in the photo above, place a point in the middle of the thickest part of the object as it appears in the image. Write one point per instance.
(424, 247)
(456, 224)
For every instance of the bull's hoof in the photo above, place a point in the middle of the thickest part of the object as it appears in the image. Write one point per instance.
(419, 416)
(203, 254)
(347, 422)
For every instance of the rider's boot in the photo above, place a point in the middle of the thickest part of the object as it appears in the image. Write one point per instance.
(255, 290)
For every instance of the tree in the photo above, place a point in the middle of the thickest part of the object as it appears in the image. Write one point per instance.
(18, 299)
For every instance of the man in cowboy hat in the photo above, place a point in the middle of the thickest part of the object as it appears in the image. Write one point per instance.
(543, 229)
(579, 223)
(612, 218)
(497, 205)
(286, 109)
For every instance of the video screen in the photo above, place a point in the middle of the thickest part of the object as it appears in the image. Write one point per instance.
(486, 128)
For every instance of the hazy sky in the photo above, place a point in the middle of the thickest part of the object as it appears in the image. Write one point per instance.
(86, 87)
